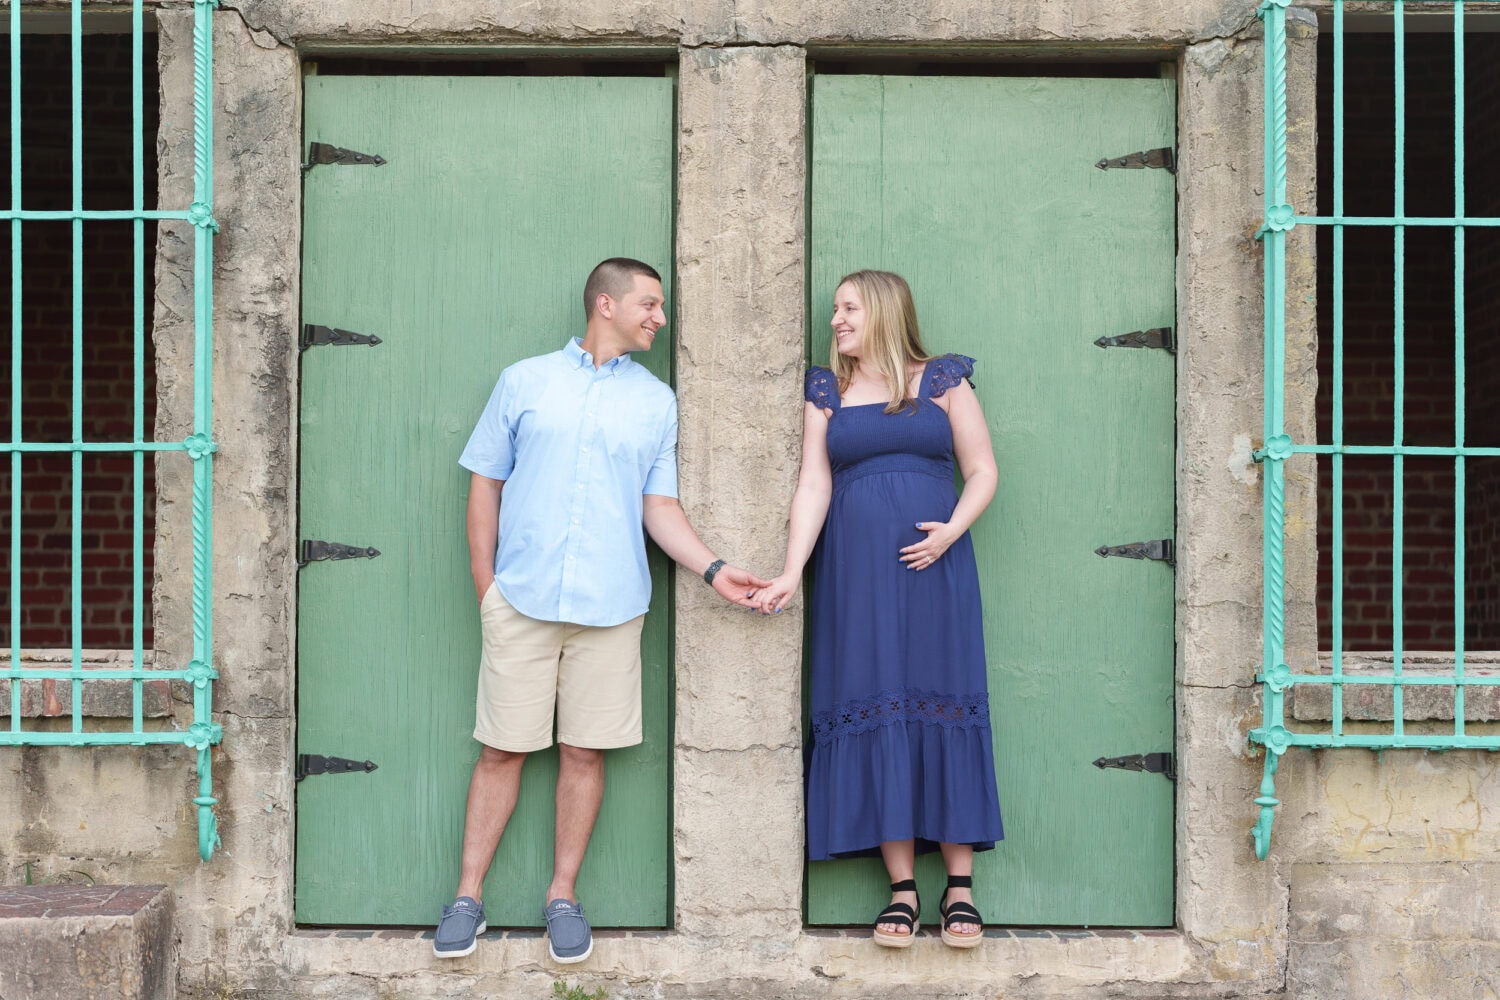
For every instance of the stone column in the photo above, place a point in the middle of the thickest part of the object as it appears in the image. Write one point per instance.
(1219, 489)
(740, 344)
(240, 902)
(1242, 920)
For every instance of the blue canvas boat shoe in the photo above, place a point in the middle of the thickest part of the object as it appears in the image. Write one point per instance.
(461, 924)
(569, 937)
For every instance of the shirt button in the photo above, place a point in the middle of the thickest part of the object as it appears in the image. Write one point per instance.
(590, 413)
(575, 520)
(570, 557)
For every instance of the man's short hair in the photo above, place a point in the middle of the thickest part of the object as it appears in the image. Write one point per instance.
(614, 277)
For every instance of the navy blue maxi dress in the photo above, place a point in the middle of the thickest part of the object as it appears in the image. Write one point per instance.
(901, 746)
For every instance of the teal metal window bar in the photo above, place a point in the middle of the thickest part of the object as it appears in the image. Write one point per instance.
(199, 446)
(1277, 677)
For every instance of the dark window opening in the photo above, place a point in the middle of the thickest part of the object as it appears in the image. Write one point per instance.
(1369, 493)
(107, 383)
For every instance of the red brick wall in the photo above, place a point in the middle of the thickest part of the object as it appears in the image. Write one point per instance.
(1369, 371)
(1483, 334)
(46, 356)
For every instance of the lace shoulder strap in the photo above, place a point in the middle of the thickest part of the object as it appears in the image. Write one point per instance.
(821, 389)
(944, 372)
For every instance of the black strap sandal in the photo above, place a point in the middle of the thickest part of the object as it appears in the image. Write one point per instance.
(900, 914)
(960, 913)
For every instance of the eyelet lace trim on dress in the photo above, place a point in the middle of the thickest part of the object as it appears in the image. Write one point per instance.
(821, 389)
(946, 371)
(900, 706)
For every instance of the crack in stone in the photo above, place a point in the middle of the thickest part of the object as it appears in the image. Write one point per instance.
(1248, 25)
(253, 28)
(253, 718)
(735, 44)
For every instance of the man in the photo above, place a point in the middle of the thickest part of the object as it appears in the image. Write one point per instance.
(583, 445)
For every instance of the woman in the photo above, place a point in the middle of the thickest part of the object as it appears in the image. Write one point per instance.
(901, 756)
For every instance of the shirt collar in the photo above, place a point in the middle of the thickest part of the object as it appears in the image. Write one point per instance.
(578, 357)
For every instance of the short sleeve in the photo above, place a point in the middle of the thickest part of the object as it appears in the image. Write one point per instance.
(661, 481)
(491, 450)
(946, 371)
(821, 389)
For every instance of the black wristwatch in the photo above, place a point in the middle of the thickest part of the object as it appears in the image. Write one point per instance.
(712, 571)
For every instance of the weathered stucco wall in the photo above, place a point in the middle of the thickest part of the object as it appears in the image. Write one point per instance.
(741, 176)
(1401, 839)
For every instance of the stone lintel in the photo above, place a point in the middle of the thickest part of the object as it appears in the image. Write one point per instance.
(753, 22)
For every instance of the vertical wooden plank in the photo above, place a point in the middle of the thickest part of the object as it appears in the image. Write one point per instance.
(465, 252)
(1020, 252)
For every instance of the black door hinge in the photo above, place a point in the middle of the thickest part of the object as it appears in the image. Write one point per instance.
(319, 551)
(312, 763)
(1157, 159)
(1153, 763)
(323, 153)
(1159, 337)
(1159, 549)
(320, 336)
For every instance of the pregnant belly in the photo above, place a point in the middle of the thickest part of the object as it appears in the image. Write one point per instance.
(891, 502)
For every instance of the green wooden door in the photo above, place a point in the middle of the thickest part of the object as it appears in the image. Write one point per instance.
(983, 193)
(466, 251)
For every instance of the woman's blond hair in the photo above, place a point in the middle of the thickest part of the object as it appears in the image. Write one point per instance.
(893, 342)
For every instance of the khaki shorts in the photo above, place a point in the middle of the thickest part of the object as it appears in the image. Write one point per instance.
(591, 675)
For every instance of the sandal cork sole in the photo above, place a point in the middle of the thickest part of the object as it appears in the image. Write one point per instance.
(888, 940)
(953, 940)
(959, 913)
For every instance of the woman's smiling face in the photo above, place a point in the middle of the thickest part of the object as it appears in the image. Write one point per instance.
(848, 321)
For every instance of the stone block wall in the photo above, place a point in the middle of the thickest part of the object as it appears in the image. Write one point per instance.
(88, 942)
(1363, 930)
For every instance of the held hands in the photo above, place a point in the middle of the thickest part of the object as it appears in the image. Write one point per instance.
(777, 594)
(771, 596)
(738, 586)
(940, 535)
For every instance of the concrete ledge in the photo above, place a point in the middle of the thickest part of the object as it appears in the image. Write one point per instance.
(102, 699)
(101, 942)
(1420, 703)
(1022, 963)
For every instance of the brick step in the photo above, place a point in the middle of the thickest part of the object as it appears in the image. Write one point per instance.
(98, 942)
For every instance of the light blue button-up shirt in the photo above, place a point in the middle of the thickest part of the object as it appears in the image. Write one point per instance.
(577, 447)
